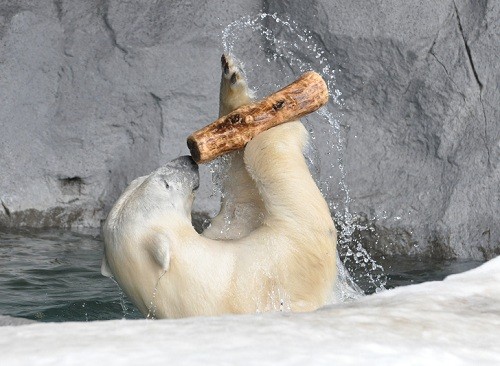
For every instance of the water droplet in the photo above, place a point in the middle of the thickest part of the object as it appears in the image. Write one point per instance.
(152, 305)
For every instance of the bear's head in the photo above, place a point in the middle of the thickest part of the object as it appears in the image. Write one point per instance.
(170, 187)
(165, 194)
(146, 210)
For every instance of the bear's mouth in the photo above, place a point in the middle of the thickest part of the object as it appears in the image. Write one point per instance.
(196, 185)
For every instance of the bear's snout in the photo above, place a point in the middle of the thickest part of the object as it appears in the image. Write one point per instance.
(184, 162)
(186, 167)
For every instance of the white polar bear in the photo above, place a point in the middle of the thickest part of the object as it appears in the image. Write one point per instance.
(272, 247)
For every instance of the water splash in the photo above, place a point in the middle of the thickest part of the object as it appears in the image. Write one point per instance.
(123, 304)
(279, 301)
(284, 50)
(86, 314)
(285, 45)
(152, 305)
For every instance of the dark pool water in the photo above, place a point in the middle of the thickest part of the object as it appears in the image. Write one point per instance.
(54, 275)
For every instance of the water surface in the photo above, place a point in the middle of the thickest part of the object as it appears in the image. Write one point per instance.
(54, 276)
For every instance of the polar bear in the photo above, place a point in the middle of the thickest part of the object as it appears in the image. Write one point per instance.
(272, 247)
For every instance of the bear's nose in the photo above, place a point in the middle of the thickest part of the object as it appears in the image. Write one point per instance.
(185, 162)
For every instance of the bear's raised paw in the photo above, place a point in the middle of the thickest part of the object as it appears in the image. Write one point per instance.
(234, 91)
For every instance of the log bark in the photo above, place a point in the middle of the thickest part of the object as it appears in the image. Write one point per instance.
(233, 131)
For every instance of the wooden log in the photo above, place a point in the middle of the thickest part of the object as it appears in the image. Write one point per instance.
(233, 131)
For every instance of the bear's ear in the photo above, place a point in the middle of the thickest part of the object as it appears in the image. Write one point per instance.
(159, 248)
(105, 270)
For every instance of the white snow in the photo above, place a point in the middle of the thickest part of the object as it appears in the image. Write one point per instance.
(451, 322)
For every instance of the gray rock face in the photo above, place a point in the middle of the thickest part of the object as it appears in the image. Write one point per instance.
(421, 81)
(96, 93)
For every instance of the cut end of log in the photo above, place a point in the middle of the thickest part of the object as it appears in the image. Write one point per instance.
(231, 132)
(194, 149)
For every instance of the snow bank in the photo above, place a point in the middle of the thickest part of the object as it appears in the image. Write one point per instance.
(451, 322)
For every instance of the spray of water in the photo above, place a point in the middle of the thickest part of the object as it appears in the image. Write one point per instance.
(123, 304)
(86, 314)
(280, 50)
(152, 305)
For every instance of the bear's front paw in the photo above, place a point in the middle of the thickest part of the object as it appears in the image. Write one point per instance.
(234, 90)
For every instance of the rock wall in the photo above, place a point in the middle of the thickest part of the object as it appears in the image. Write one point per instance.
(421, 80)
(96, 92)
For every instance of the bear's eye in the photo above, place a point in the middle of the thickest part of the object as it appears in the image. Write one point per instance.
(167, 186)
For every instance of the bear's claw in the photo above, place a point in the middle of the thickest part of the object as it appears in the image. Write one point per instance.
(234, 78)
(231, 69)
(224, 64)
